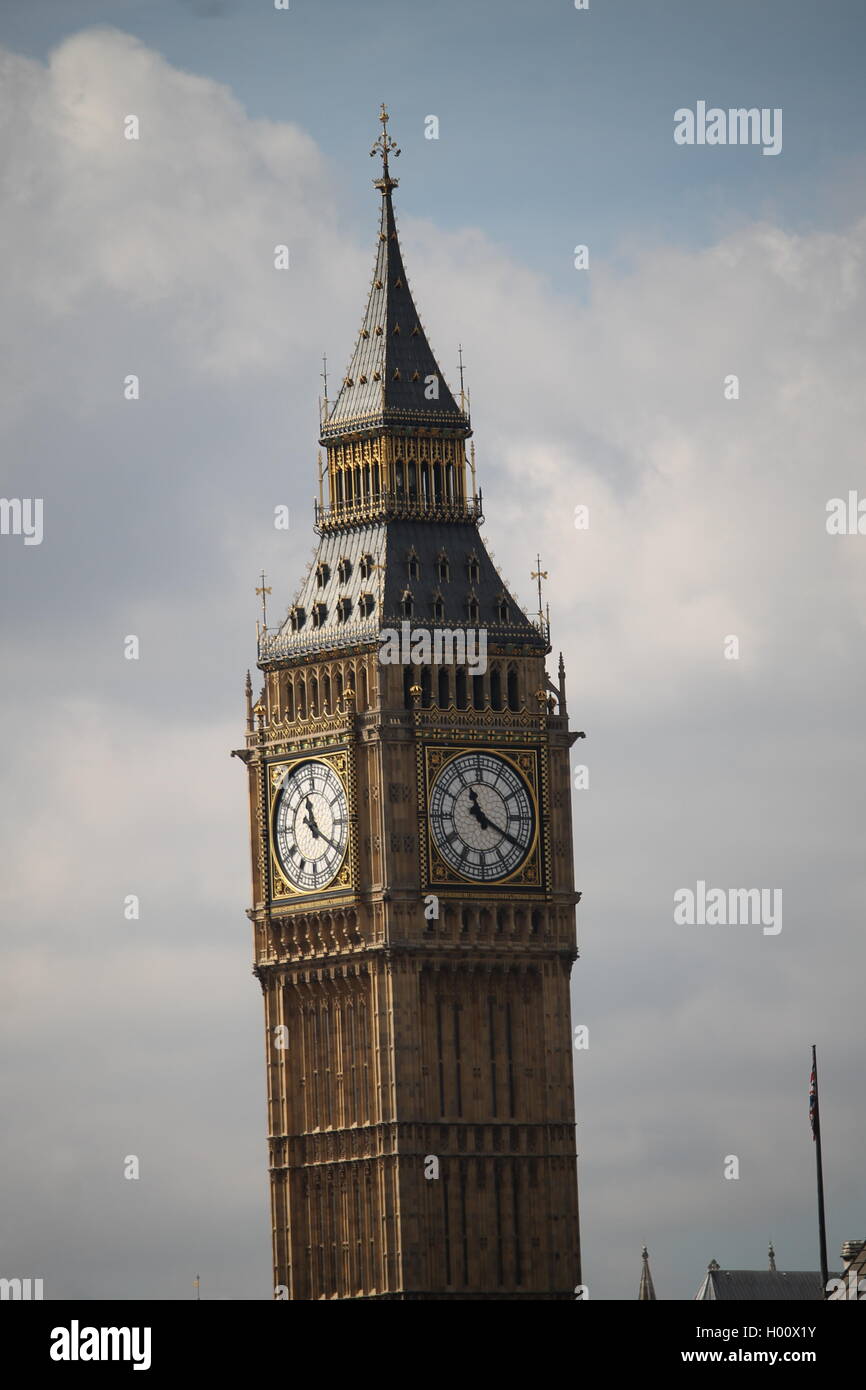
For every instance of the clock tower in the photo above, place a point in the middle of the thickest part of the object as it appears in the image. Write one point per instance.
(413, 894)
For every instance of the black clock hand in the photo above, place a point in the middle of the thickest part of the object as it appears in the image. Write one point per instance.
(310, 819)
(485, 822)
(476, 811)
(505, 834)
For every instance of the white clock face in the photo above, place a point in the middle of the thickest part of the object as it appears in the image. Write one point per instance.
(482, 817)
(311, 825)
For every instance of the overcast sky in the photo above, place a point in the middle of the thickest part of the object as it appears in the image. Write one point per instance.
(602, 387)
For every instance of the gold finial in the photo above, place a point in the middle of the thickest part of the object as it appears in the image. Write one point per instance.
(385, 146)
(264, 593)
(539, 574)
(248, 700)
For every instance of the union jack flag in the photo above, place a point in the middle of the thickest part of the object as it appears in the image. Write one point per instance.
(813, 1099)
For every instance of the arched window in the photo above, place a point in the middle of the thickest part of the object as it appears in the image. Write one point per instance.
(461, 687)
(512, 688)
(363, 693)
(495, 687)
(338, 683)
(426, 683)
(444, 700)
(408, 678)
(290, 699)
(472, 610)
(326, 694)
(314, 696)
(536, 922)
(302, 698)
(408, 605)
(477, 692)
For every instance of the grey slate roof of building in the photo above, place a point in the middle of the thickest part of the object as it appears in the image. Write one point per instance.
(760, 1285)
(391, 543)
(386, 378)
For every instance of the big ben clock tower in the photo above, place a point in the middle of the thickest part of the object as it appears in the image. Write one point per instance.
(413, 894)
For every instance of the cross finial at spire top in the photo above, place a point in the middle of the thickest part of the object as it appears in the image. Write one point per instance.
(383, 147)
(264, 590)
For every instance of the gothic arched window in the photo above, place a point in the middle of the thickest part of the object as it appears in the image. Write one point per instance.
(444, 694)
(495, 687)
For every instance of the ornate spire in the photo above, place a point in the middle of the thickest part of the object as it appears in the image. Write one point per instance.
(385, 146)
(647, 1291)
(393, 378)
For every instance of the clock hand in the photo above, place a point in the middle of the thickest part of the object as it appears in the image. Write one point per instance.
(476, 811)
(310, 819)
(506, 836)
(488, 824)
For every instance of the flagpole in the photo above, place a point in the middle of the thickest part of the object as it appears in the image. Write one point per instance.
(816, 1134)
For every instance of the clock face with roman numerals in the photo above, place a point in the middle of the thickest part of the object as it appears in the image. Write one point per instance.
(311, 825)
(482, 816)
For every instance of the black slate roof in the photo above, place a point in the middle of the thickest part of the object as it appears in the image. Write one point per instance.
(391, 545)
(388, 374)
(760, 1285)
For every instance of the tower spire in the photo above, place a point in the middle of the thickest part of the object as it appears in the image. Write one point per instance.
(647, 1291)
(393, 379)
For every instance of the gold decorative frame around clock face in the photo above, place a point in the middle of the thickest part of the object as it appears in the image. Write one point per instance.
(482, 817)
(310, 826)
